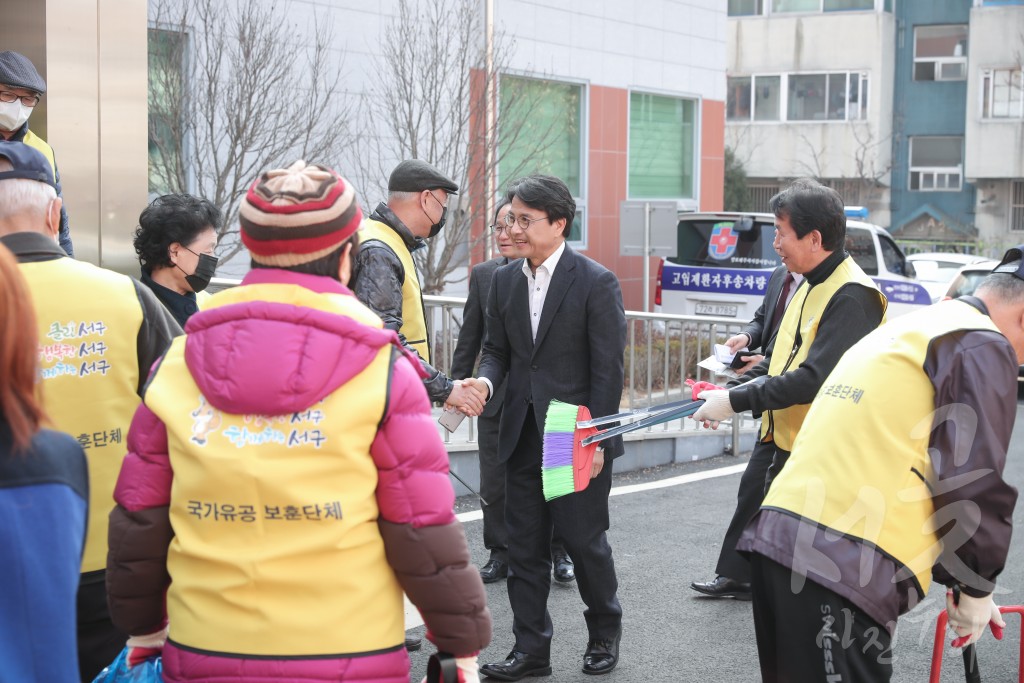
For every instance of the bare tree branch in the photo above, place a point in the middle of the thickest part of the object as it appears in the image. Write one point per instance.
(428, 102)
(236, 89)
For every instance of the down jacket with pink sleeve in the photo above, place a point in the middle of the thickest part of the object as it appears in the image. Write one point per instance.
(262, 350)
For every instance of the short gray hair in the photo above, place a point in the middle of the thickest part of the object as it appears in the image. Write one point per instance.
(1006, 287)
(400, 196)
(19, 195)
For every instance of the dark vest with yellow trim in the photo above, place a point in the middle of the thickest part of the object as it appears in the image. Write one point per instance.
(796, 333)
(89, 369)
(414, 326)
(871, 480)
(275, 516)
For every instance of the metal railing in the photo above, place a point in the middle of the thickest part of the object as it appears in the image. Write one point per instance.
(662, 352)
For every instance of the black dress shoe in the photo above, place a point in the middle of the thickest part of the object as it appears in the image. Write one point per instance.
(413, 643)
(517, 666)
(495, 570)
(723, 587)
(564, 570)
(601, 655)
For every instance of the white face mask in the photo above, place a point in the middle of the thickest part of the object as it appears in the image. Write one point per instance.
(13, 115)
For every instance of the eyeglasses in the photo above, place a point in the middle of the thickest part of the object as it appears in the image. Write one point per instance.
(28, 100)
(522, 221)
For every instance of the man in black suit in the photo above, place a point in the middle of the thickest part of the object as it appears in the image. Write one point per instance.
(760, 331)
(557, 327)
(492, 469)
(732, 573)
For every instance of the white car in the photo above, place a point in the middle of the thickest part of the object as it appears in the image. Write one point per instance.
(935, 270)
(968, 278)
(723, 261)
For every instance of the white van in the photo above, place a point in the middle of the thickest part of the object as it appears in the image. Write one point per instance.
(723, 262)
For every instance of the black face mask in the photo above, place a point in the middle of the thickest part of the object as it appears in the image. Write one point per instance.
(200, 279)
(436, 227)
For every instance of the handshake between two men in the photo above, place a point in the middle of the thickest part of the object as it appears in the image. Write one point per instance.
(468, 396)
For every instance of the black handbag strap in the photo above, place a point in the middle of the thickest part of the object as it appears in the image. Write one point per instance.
(441, 668)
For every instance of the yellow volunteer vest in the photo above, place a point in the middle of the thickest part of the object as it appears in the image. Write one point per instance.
(276, 548)
(860, 463)
(414, 326)
(202, 299)
(89, 320)
(804, 314)
(36, 142)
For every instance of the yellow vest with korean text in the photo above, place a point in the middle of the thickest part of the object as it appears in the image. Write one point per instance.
(796, 333)
(276, 549)
(873, 478)
(39, 144)
(414, 326)
(89, 320)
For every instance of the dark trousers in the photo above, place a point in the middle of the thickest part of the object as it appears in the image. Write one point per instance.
(813, 635)
(492, 489)
(580, 520)
(748, 502)
(99, 642)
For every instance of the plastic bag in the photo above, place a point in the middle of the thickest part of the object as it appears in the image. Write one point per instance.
(149, 671)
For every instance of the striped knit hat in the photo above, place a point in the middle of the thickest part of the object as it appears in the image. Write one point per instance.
(297, 214)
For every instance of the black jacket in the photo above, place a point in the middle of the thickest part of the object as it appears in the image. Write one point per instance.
(471, 337)
(764, 318)
(578, 354)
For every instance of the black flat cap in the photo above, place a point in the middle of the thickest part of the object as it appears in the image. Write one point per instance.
(416, 175)
(18, 72)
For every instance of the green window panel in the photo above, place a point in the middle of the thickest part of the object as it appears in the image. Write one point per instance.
(662, 140)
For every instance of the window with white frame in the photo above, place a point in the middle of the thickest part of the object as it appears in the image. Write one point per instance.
(1002, 94)
(166, 87)
(1017, 206)
(784, 6)
(936, 163)
(837, 96)
(749, 8)
(940, 53)
(662, 146)
(540, 130)
(746, 8)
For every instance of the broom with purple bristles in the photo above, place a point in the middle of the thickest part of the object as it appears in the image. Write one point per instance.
(571, 438)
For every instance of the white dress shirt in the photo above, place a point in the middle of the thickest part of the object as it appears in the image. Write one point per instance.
(538, 283)
(537, 291)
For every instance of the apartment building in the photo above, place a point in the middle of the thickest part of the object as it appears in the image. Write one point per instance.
(931, 137)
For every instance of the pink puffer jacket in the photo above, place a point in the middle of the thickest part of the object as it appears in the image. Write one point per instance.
(256, 344)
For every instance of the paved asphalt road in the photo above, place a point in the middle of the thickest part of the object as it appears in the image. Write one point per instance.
(665, 538)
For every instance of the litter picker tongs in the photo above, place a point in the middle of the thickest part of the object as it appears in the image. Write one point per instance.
(644, 417)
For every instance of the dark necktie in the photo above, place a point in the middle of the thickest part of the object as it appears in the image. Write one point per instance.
(780, 306)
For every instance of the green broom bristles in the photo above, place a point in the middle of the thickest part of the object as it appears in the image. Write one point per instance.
(557, 466)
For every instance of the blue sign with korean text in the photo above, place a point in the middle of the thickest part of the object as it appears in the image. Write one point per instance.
(718, 280)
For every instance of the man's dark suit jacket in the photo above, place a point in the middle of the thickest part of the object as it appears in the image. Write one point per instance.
(578, 355)
(764, 318)
(471, 336)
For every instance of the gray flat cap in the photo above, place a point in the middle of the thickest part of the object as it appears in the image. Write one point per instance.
(18, 72)
(416, 175)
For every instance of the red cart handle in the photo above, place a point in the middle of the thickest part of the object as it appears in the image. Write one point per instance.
(940, 643)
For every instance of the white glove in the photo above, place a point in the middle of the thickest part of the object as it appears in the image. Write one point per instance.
(469, 672)
(141, 648)
(969, 618)
(716, 406)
